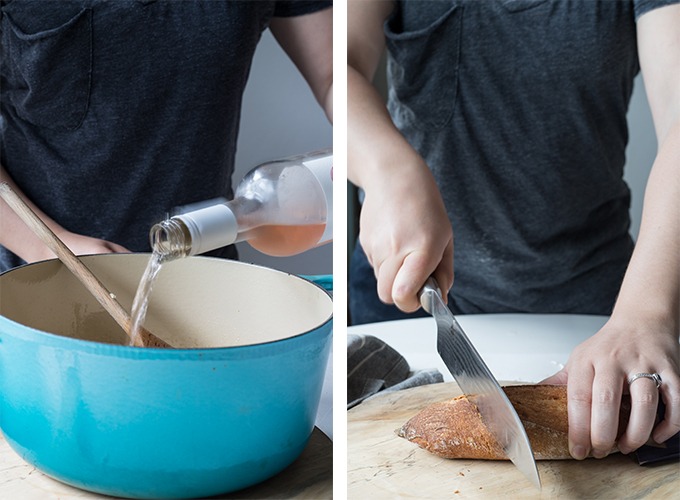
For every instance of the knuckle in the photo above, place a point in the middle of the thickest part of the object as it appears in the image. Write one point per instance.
(674, 421)
(580, 398)
(404, 290)
(674, 402)
(603, 444)
(646, 399)
(384, 296)
(606, 397)
(405, 301)
(603, 439)
(579, 434)
(384, 292)
(634, 442)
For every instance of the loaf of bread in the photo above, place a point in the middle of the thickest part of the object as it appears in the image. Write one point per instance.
(454, 428)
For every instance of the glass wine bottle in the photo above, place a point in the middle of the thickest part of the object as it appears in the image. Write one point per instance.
(280, 208)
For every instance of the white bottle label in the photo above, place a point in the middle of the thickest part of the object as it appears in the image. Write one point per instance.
(210, 227)
(322, 168)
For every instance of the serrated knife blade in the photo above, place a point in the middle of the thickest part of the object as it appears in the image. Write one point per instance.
(475, 379)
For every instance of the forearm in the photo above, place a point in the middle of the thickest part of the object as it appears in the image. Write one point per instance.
(15, 235)
(308, 41)
(377, 151)
(651, 288)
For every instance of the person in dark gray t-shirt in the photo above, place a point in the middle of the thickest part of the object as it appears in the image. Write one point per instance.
(505, 125)
(114, 113)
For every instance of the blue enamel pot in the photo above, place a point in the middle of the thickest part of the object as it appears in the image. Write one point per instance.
(231, 406)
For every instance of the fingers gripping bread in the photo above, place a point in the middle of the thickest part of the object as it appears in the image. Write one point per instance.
(454, 428)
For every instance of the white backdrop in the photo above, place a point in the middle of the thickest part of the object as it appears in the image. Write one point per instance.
(640, 152)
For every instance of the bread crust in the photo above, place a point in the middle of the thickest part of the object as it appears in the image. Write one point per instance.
(455, 429)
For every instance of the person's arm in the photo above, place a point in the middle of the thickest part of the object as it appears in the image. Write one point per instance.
(308, 41)
(404, 229)
(20, 239)
(642, 333)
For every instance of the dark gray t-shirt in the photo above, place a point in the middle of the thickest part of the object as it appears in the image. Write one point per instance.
(113, 113)
(519, 108)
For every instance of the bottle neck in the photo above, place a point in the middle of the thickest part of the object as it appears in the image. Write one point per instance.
(210, 227)
(171, 239)
(194, 232)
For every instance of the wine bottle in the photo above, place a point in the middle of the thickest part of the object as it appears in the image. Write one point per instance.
(282, 207)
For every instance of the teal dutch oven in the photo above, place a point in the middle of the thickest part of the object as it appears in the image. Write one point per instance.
(232, 405)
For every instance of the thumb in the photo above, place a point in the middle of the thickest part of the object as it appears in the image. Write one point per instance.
(559, 378)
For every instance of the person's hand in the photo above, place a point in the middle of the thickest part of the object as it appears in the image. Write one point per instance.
(17, 237)
(406, 235)
(597, 375)
(78, 244)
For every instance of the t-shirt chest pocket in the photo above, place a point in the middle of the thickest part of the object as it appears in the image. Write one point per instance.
(423, 65)
(48, 72)
(520, 5)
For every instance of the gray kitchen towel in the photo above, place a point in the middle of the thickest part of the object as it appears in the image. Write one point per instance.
(374, 367)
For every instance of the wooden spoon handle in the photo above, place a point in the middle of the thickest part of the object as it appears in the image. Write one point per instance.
(89, 280)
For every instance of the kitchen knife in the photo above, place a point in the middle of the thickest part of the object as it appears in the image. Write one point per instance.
(475, 378)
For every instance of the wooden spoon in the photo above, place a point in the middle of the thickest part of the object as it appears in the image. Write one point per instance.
(89, 280)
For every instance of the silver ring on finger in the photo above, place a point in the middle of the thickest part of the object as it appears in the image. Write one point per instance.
(652, 376)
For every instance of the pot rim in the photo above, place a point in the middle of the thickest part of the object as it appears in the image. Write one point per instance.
(128, 351)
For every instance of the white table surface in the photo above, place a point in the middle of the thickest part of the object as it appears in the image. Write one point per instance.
(515, 347)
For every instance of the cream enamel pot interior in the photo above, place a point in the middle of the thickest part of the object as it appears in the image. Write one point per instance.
(231, 406)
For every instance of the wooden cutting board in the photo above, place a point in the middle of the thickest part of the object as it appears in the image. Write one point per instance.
(383, 465)
(309, 477)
